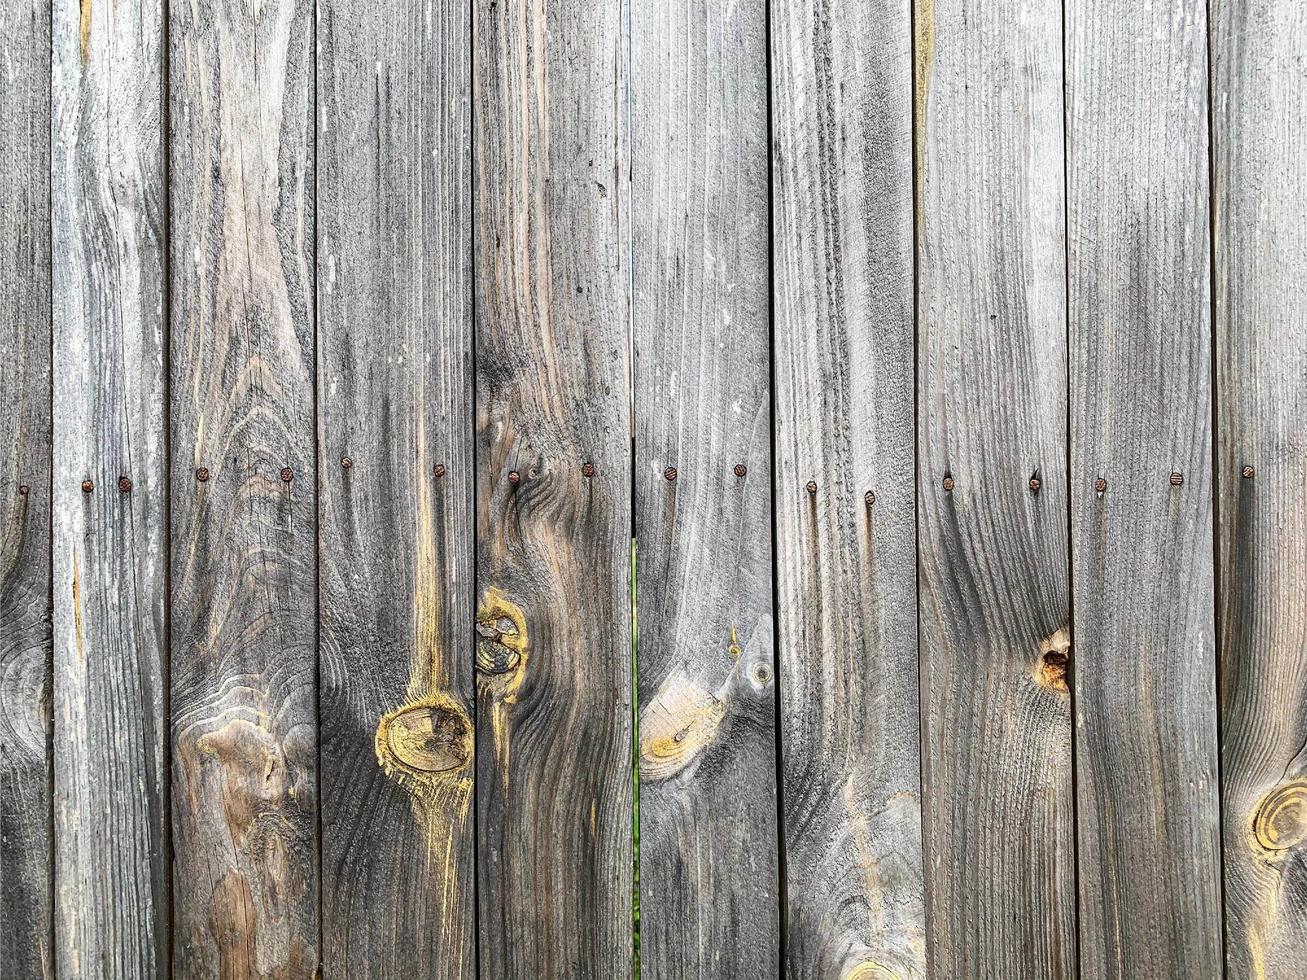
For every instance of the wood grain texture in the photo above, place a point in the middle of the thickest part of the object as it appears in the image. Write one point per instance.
(1141, 409)
(1259, 103)
(26, 922)
(110, 544)
(397, 589)
(994, 604)
(243, 558)
(846, 562)
(709, 877)
(553, 548)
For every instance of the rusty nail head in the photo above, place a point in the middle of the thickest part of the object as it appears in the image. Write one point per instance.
(948, 484)
(287, 474)
(1035, 484)
(202, 473)
(870, 497)
(438, 470)
(670, 473)
(741, 469)
(124, 484)
(24, 489)
(1177, 478)
(588, 470)
(514, 477)
(1248, 472)
(346, 462)
(812, 486)
(1100, 484)
(87, 486)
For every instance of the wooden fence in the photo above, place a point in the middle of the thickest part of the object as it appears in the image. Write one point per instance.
(947, 363)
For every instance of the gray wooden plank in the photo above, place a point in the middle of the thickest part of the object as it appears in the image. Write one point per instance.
(26, 920)
(709, 875)
(396, 586)
(1139, 293)
(846, 553)
(994, 602)
(1259, 103)
(553, 624)
(110, 533)
(242, 483)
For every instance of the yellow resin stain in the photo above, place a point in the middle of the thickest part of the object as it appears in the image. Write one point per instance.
(86, 29)
(426, 745)
(925, 47)
(1280, 822)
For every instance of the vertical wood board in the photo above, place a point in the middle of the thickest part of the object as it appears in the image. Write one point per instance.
(26, 915)
(244, 700)
(553, 622)
(1259, 103)
(394, 300)
(709, 886)
(991, 428)
(1139, 265)
(110, 493)
(846, 552)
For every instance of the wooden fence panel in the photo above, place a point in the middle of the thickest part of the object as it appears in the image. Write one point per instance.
(396, 466)
(554, 781)
(26, 930)
(991, 451)
(110, 493)
(1139, 266)
(709, 878)
(244, 615)
(846, 550)
(1259, 107)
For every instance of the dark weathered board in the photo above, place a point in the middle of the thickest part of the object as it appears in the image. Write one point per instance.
(244, 703)
(709, 878)
(553, 621)
(846, 553)
(397, 476)
(1138, 259)
(991, 389)
(1259, 103)
(110, 492)
(25, 845)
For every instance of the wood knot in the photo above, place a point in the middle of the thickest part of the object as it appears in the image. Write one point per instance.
(1280, 822)
(428, 738)
(871, 971)
(501, 635)
(677, 726)
(1054, 662)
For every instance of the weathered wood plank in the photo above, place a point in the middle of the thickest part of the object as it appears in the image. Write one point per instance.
(243, 512)
(709, 878)
(994, 604)
(1260, 139)
(553, 545)
(26, 923)
(110, 533)
(395, 314)
(1139, 264)
(846, 554)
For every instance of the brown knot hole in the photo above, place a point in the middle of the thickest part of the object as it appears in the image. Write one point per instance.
(1054, 663)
